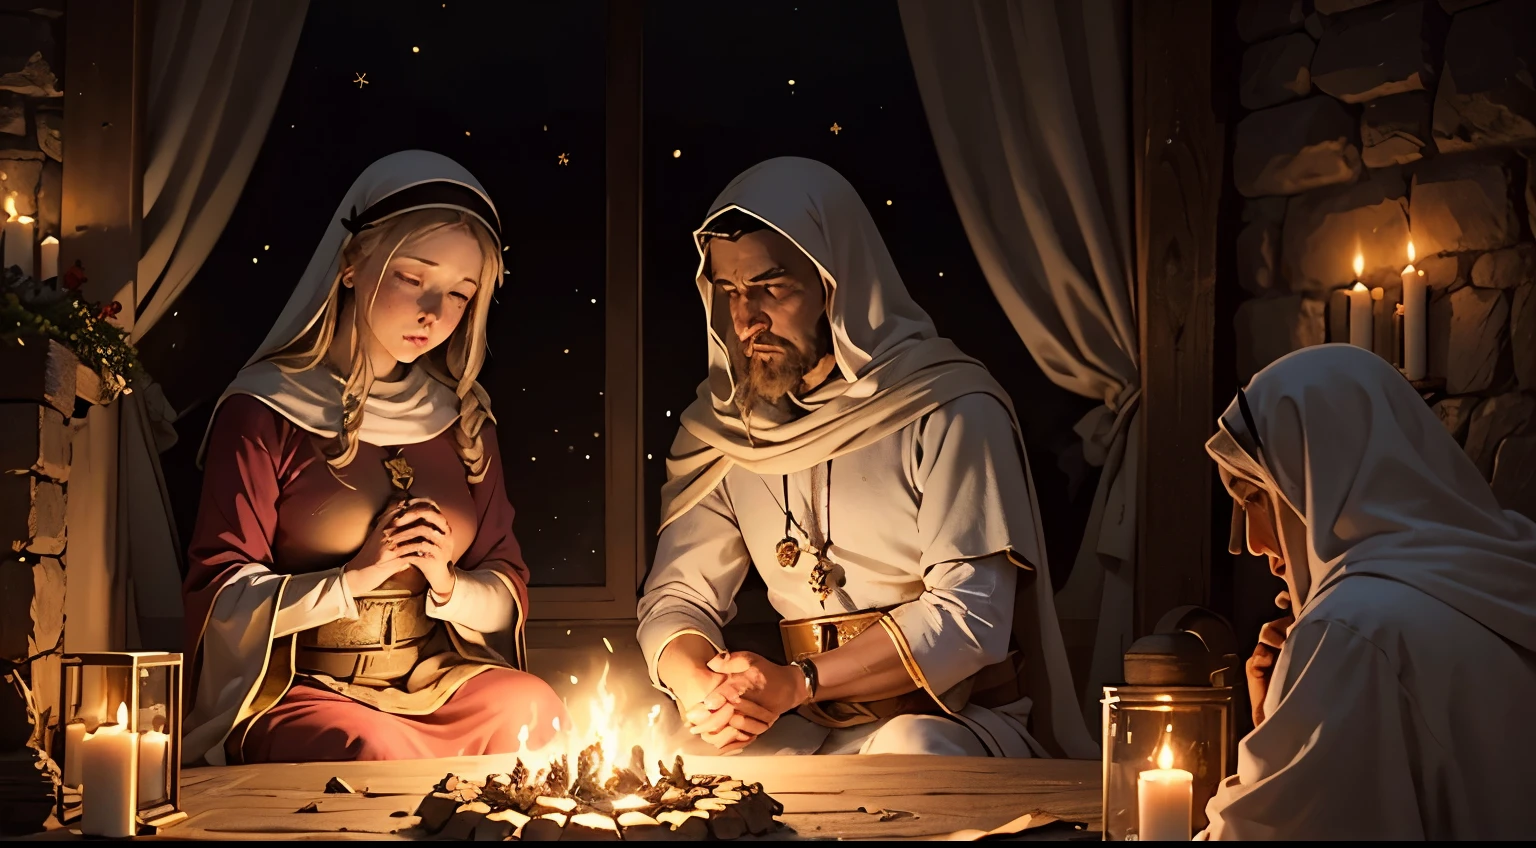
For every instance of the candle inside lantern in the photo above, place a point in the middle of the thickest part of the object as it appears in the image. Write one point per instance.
(1360, 334)
(109, 766)
(153, 746)
(1165, 799)
(74, 747)
(1415, 323)
(17, 234)
(48, 258)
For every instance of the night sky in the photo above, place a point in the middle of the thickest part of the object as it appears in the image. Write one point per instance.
(506, 89)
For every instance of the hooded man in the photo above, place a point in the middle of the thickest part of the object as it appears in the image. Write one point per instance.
(874, 476)
(1398, 707)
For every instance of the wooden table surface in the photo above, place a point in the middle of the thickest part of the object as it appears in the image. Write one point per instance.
(826, 797)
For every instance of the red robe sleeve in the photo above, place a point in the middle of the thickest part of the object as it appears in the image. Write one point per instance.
(495, 546)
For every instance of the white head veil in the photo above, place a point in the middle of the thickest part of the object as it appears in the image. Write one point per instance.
(426, 400)
(1343, 440)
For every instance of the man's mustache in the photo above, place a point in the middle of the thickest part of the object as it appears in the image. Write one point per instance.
(764, 339)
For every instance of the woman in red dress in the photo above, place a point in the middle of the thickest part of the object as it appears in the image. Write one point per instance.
(355, 590)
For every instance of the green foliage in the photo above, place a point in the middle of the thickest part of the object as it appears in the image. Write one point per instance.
(31, 312)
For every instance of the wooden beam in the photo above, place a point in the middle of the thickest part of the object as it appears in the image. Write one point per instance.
(624, 502)
(1178, 176)
(104, 109)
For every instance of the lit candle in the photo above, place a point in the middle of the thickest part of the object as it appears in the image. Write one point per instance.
(1415, 324)
(48, 258)
(1360, 309)
(109, 767)
(1165, 799)
(17, 233)
(74, 746)
(153, 746)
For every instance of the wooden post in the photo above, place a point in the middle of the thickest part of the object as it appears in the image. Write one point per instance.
(104, 108)
(1178, 176)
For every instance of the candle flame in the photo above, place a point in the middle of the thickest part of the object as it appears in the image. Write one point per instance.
(1359, 264)
(1360, 287)
(50, 240)
(1165, 756)
(10, 209)
(630, 802)
(122, 714)
(1411, 255)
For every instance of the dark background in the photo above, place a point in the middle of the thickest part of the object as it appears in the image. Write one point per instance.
(717, 89)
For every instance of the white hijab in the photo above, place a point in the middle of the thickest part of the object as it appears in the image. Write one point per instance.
(1383, 489)
(425, 401)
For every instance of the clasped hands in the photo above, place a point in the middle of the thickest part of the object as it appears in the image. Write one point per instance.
(737, 697)
(411, 533)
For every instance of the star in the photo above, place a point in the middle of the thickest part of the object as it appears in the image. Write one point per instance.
(362, 80)
(564, 159)
(835, 128)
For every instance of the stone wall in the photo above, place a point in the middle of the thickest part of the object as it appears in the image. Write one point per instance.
(32, 109)
(1366, 122)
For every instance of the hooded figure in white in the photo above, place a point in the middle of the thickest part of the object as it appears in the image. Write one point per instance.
(1398, 707)
(886, 502)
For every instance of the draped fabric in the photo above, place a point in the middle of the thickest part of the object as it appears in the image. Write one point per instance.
(217, 69)
(1028, 106)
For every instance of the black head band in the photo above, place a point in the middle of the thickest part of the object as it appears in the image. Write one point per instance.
(1248, 422)
(425, 195)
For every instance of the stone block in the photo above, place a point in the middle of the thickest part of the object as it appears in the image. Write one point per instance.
(1455, 413)
(1486, 96)
(21, 176)
(1442, 273)
(1296, 147)
(1258, 259)
(1275, 71)
(1269, 328)
(40, 374)
(13, 114)
(1505, 269)
(1468, 335)
(34, 439)
(31, 515)
(1260, 19)
(1325, 228)
(22, 37)
(1462, 203)
(1495, 420)
(1514, 475)
(50, 200)
(50, 134)
(1395, 129)
(31, 606)
(1375, 55)
(1522, 336)
(1334, 7)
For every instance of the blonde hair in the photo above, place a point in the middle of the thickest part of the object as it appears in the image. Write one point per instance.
(456, 363)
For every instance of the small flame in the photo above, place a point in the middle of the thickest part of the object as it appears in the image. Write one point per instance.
(1359, 264)
(122, 714)
(574, 681)
(655, 713)
(10, 209)
(607, 644)
(1165, 756)
(522, 738)
(1360, 287)
(556, 723)
(630, 802)
(1411, 255)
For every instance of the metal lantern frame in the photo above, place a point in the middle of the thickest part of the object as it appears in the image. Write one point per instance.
(161, 811)
(1170, 700)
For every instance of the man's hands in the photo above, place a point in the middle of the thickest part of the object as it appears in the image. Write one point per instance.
(752, 695)
(1261, 665)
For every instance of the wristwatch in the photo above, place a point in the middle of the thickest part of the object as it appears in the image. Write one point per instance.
(812, 679)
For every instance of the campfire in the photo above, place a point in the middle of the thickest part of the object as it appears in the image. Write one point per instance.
(601, 799)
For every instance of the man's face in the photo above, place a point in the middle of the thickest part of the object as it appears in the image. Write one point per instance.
(777, 306)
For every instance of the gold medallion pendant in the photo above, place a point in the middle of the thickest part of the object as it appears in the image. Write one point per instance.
(401, 475)
(788, 552)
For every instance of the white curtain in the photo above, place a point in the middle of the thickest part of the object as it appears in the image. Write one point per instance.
(1027, 101)
(217, 69)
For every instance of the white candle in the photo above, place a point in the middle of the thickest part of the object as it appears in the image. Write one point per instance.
(93, 695)
(1165, 798)
(17, 232)
(153, 746)
(1415, 321)
(48, 256)
(1360, 329)
(74, 747)
(110, 767)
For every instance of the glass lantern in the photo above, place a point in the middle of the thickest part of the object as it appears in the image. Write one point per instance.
(1169, 733)
(120, 741)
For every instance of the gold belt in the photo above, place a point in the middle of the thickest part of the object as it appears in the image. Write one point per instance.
(807, 637)
(380, 647)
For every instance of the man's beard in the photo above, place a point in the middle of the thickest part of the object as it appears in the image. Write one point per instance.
(771, 379)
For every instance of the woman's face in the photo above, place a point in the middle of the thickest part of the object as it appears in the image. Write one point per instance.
(422, 295)
(1264, 536)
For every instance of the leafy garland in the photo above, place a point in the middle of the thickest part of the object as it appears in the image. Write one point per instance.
(55, 309)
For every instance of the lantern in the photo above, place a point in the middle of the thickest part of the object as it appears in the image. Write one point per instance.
(120, 717)
(1169, 733)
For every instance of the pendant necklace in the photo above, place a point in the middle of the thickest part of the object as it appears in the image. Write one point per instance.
(788, 551)
(401, 475)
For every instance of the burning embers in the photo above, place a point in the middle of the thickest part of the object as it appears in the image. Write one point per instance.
(627, 805)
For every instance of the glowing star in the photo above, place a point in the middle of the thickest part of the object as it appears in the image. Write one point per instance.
(677, 154)
(835, 128)
(415, 49)
(564, 158)
(361, 80)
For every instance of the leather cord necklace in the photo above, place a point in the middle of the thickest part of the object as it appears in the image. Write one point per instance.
(788, 551)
